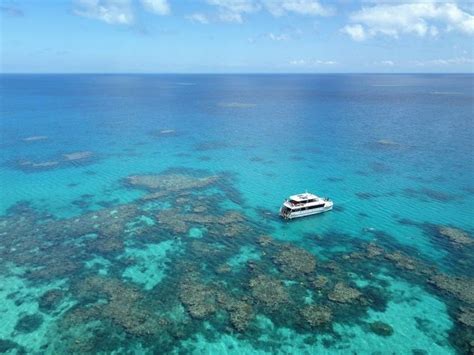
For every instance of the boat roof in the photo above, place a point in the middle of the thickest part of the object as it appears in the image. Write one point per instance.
(303, 197)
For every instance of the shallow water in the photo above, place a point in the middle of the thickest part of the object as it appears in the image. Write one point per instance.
(392, 152)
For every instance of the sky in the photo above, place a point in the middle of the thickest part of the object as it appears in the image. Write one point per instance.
(236, 36)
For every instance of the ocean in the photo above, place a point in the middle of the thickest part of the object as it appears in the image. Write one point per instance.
(139, 214)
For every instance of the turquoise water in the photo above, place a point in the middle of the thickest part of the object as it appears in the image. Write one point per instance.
(139, 213)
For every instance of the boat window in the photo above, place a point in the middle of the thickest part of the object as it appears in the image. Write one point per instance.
(316, 206)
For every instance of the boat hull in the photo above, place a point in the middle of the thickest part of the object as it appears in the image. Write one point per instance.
(298, 214)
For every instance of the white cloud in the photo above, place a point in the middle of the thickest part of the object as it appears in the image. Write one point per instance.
(159, 7)
(388, 63)
(311, 62)
(198, 18)
(356, 31)
(302, 7)
(278, 37)
(109, 11)
(445, 62)
(421, 19)
(232, 10)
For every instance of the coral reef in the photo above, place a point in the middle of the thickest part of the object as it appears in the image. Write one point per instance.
(201, 289)
(466, 316)
(236, 105)
(387, 142)
(373, 251)
(8, 346)
(316, 315)
(456, 236)
(320, 282)
(461, 288)
(231, 224)
(198, 298)
(50, 300)
(78, 156)
(295, 261)
(43, 165)
(29, 165)
(125, 306)
(29, 323)
(381, 328)
(344, 294)
(170, 182)
(401, 261)
(241, 313)
(265, 240)
(268, 291)
(34, 138)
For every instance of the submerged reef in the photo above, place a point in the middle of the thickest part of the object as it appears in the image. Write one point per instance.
(459, 287)
(427, 194)
(199, 299)
(457, 243)
(316, 316)
(237, 104)
(34, 138)
(381, 328)
(170, 182)
(295, 261)
(269, 292)
(455, 235)
(62, 161)
(344, 294)
(123, 306)
(466, 316)
(77, 156)
(230, 224)
(29, 323)
(50, 300)
(227, 274)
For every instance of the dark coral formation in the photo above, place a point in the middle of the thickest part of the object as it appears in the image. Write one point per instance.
(456, 236)
(316, 316)
(241, 312)
(201, 289)
(466, 316)
(230, 224)
(461, 288)
(65, 160)
(8, 346)
(402, 261)
(50, 300)
(199, 299)
(295, 261)
(202, 300)
(170, 182)
(344, 294)
(29, 323)
(320, 282)
(426, 194)
(381, 328)
(269, 292)
(123, 307)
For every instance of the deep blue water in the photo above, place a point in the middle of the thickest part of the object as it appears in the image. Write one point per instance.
(394, 152)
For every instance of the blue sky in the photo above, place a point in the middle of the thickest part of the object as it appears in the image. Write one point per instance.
(227, 36)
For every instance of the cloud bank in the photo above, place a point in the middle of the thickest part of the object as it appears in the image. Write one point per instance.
(420, 19)
(118, 12)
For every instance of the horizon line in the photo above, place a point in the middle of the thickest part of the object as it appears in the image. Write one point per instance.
(233, 73)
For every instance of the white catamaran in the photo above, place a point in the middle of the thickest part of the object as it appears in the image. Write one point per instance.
(305, 204)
